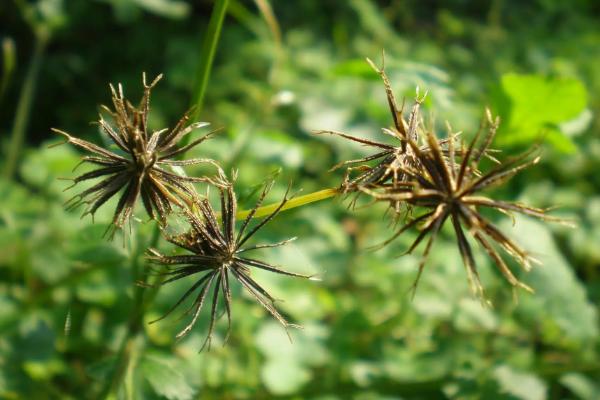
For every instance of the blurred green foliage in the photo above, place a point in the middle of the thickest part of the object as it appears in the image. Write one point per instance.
(66, 294)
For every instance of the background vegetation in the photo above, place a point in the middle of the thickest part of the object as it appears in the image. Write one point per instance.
(66, 294)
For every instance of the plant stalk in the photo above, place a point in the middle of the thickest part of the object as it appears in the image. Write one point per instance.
(292, 203)
(8, 65)
(141, 302)
(24, 107)
(207, 54)
(132, 339)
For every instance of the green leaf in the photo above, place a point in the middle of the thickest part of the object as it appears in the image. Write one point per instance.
(36, 347)
(560, 302)
(519, 384)
(165, 8)
(100, 370)
(473, 316)
(357, 67)
(578, 125)
(580, 385)
(284, 376)
(278, 148)
(165, 378)
(52, 13)
(533, 105)
(560, 142)
(90, 248)
(98, 288)
(306, 348)
(8, 308)
(128, 10)
(49, 263)
(42, 168)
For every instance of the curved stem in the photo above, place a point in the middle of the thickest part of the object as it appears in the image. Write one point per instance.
(24, 107)
(292, 203)
(207, 54)
(8, 65)
(132, 340)
(141, 302)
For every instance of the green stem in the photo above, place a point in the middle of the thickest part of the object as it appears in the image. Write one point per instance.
(141, 302)
(24, 107)
(293, 203)
(260, 212)
(207, 54)
(132, 340)
(8, 65)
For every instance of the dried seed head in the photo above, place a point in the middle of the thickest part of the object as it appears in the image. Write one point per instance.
(141, 165)
(216, 253)
(392, 160)
(447, 187)
(442, 178)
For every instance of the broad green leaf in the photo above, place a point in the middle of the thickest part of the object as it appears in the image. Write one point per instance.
(98, 288)
(36, 347)
(560, 302)
(278, 148)
(578, 125)
(357, 67)
(560, 141)
(372, 20)
(306, 348)
(284, 376)
(533, 105)
(473, 316)
(128, 10)
(165, 8)
(582, 386)
(412, 366)
(43, 167)
(45, 16)
(521, 385)
(44, 370)
(165, 378)
(90, 248)
(49, 263)
(101, 369)
(364, 373)
(8, 308)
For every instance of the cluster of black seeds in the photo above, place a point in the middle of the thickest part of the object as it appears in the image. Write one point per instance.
(426, 181)
(140, 167)
(442, 179)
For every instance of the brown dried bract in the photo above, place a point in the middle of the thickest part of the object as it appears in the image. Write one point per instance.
(217, 253)
(140, 165)
(393, 160)
(447, 187)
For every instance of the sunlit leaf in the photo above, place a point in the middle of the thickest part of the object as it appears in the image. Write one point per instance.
(534, 106)
(165, 378)
(165, 8)
(283, 376)
(560, 299)
(523, 386)
(582, 386)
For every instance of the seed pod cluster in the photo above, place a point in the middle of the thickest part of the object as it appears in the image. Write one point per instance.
(141, 167)
(426, 181)
(442, 179)
(140, 164)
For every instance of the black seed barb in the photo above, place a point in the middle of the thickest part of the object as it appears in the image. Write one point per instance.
(137, 172)
(450, 189)
(216, 250)
(443, 177)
